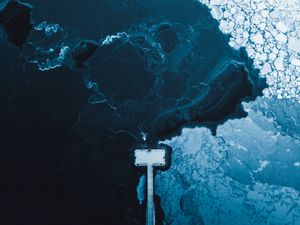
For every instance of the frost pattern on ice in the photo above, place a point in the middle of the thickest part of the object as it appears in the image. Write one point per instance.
(270, 32)
(109, 39)
(55, 62)
(49, 29)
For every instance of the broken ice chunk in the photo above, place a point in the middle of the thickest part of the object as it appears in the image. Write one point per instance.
(294, 44)
(282, 27)
(245, 34)
(226, 27)
(218, 2)
(272, 56)
(266, 69)
(240, 18)
(278, 63)
(216, 13)
(281, 38)
(257, 38)
(275, 14)
(261, 6)
(295, 61)
(264, 13)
